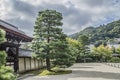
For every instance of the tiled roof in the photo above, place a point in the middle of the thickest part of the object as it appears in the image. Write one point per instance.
(10, 26)
(25, 53)
(13, 29)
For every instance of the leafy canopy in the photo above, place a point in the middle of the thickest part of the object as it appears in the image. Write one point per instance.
(104, 52)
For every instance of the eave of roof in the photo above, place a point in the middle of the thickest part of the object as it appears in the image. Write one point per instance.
(12, 29)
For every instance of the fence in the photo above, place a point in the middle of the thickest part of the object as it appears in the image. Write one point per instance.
(27, 64)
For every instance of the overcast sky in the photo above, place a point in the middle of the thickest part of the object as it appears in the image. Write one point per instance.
(77, 14)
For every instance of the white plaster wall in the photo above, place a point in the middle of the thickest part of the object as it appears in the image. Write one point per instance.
(21, 65)
(32, 64)
(27, 63)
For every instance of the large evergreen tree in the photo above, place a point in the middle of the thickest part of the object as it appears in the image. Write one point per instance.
(49, 39)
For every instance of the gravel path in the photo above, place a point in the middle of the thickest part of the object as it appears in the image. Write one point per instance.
(84, 71)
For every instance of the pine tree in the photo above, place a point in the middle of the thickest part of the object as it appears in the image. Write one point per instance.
(6, 73)
(47, 33)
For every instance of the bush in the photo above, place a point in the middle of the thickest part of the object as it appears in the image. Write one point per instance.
(115, 59)
(3, 56)
(64, 60)
(7, 73)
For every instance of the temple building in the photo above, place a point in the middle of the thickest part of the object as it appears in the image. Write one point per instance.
(20, 59)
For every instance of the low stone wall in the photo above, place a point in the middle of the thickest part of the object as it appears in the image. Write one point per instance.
(27, 63)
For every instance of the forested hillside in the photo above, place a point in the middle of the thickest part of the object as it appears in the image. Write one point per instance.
(102, 33)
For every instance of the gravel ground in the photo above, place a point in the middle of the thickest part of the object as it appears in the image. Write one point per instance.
(84, 71)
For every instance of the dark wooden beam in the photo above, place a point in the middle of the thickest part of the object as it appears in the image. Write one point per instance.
(16, 60)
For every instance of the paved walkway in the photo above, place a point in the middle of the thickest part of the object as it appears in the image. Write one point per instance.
(85, 71)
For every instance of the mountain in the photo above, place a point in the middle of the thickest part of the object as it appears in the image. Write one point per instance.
(102, 33)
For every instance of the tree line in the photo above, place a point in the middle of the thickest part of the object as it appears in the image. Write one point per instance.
(101, 34)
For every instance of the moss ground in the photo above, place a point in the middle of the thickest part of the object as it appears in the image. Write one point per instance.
(55, 71)
(44, 72)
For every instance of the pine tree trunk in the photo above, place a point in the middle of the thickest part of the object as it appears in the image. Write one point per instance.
(48, 53)
(48, 63)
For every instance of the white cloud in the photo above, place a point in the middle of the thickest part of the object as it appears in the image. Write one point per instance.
(77, 14)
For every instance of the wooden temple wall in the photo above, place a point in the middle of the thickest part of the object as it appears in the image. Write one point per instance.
(27, 64)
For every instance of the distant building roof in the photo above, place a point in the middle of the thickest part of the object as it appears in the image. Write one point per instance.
(25, 53)
(116, 55)
(113, 45)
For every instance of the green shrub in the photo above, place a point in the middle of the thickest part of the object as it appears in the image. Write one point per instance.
(7, 73)
(115, 59)
(2, 58)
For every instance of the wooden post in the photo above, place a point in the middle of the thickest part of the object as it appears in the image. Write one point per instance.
(38, 64)
(16, 60)
(34, 63)
(41, 63)
(24, 63)
(30, 63)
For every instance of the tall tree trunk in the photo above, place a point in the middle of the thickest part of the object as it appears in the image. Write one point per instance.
(48, 53)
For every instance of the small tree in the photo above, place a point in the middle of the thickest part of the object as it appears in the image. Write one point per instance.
(6, 73)
(84, 40)
(75, 48)
(104, 52)
(118, 50)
